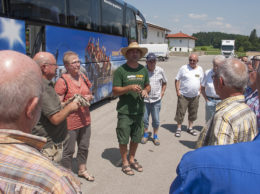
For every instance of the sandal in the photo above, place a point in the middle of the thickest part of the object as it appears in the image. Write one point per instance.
(178, 133)
(127, 170)
(192, 132)
(86, 176)
(136, 166)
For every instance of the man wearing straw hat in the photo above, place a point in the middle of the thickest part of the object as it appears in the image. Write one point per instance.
(131, 84)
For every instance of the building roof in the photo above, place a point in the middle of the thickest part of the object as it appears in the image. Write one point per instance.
(154, 26)
(180, 35)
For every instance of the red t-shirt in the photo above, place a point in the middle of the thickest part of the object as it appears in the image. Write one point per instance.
(81, 117)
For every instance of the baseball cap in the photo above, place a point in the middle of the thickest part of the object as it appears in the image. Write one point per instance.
(151, 56)
(256, 58)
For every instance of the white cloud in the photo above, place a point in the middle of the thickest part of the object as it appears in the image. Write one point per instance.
(156, 16)
(219, 18)
(198, 16)
(214, 23)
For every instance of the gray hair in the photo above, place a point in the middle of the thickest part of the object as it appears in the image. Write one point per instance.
(16, 93)
(218, 60)
(234, 74)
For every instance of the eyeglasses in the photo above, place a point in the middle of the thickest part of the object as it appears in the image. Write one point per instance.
(192, 60)
(75, 62)
(52, 64)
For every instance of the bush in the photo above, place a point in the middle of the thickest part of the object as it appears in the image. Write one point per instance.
(204, 48)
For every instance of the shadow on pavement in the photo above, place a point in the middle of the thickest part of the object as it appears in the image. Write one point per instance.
(113, 155)
(170, 127)
(189, 144)
(173, 127)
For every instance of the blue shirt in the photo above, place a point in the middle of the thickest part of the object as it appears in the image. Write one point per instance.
(228, 169)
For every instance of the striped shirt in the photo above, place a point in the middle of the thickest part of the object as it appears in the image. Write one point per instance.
(157, 77)
(232, 122)
(253, 102)
(23, 169)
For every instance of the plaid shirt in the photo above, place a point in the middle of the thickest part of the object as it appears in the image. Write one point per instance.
(232, 122)
(23, 169)
(253, 102)
(157, 77)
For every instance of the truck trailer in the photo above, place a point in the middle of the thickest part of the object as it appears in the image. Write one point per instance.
(160, 50)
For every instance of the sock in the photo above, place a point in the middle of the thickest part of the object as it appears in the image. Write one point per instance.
(155, 136)
(146, 135)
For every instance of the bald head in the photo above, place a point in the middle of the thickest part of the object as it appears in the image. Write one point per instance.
(20, 85)
(44, 57)
(13, 63)
(47, 63)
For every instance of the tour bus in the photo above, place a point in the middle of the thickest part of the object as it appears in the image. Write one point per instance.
(95, 29)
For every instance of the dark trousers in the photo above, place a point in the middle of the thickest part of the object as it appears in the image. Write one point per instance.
(82, 137)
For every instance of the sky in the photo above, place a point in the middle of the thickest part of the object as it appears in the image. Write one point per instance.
(192, 16)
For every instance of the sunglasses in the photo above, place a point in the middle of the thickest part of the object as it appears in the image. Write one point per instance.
(192, 60)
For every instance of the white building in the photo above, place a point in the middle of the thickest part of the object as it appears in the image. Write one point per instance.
(155, 34)
(181, 42)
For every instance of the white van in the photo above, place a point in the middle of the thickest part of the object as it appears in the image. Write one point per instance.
(160, 50)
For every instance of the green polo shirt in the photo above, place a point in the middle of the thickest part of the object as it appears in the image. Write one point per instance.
(130, 103)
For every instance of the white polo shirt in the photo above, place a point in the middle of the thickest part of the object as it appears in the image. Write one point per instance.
(190, 80)
(208, 84)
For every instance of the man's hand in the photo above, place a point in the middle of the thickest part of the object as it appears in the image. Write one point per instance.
(178, 93)
(144, 94)
(136, 88)
(73, 106)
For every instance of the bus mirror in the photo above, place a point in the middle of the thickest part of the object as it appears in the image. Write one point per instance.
(144, 32)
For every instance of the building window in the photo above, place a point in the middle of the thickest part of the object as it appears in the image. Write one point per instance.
(180, 41)
(157, 34)
(180, 49)
(175, 49)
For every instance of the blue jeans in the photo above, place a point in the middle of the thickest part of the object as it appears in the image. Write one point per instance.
(210, 108)
(154, 110)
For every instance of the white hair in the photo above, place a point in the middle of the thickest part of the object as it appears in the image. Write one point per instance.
(234, 74)
(15, 94)
(218, 60)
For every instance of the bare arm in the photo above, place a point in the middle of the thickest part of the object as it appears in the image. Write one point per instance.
(60, 116)
(118, 91)
(163, 89)
(203, 93)
(177, 87)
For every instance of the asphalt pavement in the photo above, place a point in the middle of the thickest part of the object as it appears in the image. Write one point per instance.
(159, 162)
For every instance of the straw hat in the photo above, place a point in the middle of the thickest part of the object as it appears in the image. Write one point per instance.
(134, 45)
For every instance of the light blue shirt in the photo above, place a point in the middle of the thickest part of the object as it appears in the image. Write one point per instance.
(228, 169)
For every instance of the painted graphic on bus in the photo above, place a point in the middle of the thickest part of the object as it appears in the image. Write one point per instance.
(12, 35)
(99, 55)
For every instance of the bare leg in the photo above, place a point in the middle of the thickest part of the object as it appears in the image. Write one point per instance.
(178, 125)
(190, 124)
(123, 152)
(133, 148)
(155, 131)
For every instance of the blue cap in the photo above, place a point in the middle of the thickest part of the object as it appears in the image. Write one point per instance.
(151, 56)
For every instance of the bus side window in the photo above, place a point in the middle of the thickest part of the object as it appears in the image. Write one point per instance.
(112, 17)
(84, 14)
(42, 10)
